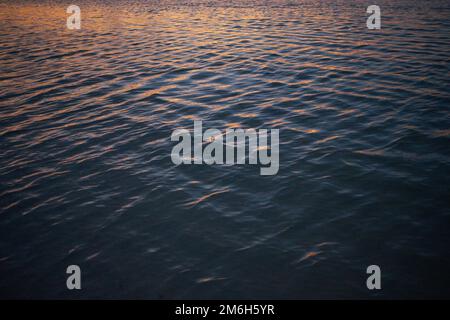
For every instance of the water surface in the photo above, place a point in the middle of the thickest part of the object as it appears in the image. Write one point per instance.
(85, 170)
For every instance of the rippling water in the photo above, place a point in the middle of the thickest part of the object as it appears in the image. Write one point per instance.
(85, 170)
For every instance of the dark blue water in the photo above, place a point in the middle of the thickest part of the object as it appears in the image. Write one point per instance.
(86, 176)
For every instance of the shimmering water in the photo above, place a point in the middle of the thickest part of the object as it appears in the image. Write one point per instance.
(85, 170)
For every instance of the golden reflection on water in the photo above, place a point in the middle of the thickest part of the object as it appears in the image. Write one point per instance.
(299, 39)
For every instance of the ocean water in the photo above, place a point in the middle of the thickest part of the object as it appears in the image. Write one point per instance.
(86, 176)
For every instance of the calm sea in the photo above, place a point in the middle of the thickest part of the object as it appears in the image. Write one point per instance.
(86, 176)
